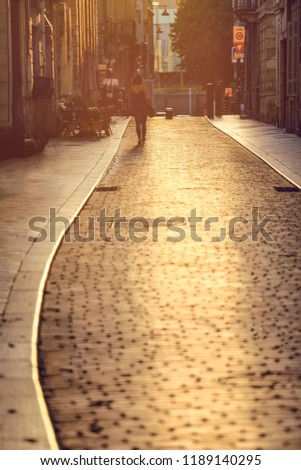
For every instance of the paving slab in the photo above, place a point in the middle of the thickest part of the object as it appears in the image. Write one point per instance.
(280, 150)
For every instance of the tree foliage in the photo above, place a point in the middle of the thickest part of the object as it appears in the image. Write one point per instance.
(202, 37)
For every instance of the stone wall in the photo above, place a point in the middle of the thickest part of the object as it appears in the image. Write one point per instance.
(5, 67)
(267, 61)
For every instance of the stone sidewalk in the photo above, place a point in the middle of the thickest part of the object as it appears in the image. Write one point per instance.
(62, 176)
(168, 344)
(282, 151)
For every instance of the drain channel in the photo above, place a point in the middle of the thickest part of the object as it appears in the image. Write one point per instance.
(287, 189)
(107, 188)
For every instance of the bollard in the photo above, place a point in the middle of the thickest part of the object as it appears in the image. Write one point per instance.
(169, 113)
(218, 100)
(210, 97)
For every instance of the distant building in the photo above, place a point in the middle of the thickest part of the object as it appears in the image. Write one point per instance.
(125, 38)
(164, 14)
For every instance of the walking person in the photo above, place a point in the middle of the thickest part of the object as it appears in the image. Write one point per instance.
(139, 102)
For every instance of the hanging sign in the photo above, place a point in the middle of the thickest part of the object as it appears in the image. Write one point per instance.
(239, 48)
(236, 55)
(239, 35)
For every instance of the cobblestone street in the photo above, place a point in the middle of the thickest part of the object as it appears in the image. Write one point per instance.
(178, 345)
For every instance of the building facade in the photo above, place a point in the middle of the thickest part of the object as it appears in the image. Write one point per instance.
(266, 27)
(272, 69)
(125, 38)
(24, 77)
(43, 47)
(260, 66)
(7, 123)
(75, 30)
(288, 20)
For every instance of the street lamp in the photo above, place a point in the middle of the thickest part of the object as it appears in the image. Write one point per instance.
(159, 31)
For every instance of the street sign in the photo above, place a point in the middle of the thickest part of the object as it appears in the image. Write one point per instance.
(239, 48)
(237, 55)
(239, 35)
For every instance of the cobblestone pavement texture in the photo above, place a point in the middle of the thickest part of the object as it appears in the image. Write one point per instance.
(190, 345)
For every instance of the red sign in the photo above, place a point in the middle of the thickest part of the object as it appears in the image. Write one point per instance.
(239, 48)
(239, 34)
(237, 55)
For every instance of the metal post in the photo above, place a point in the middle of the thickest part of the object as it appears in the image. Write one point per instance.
(43, 35)
(157, 41)
(210, 97)
(218, 98)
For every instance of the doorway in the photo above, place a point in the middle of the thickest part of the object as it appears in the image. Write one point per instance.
(283, 96)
